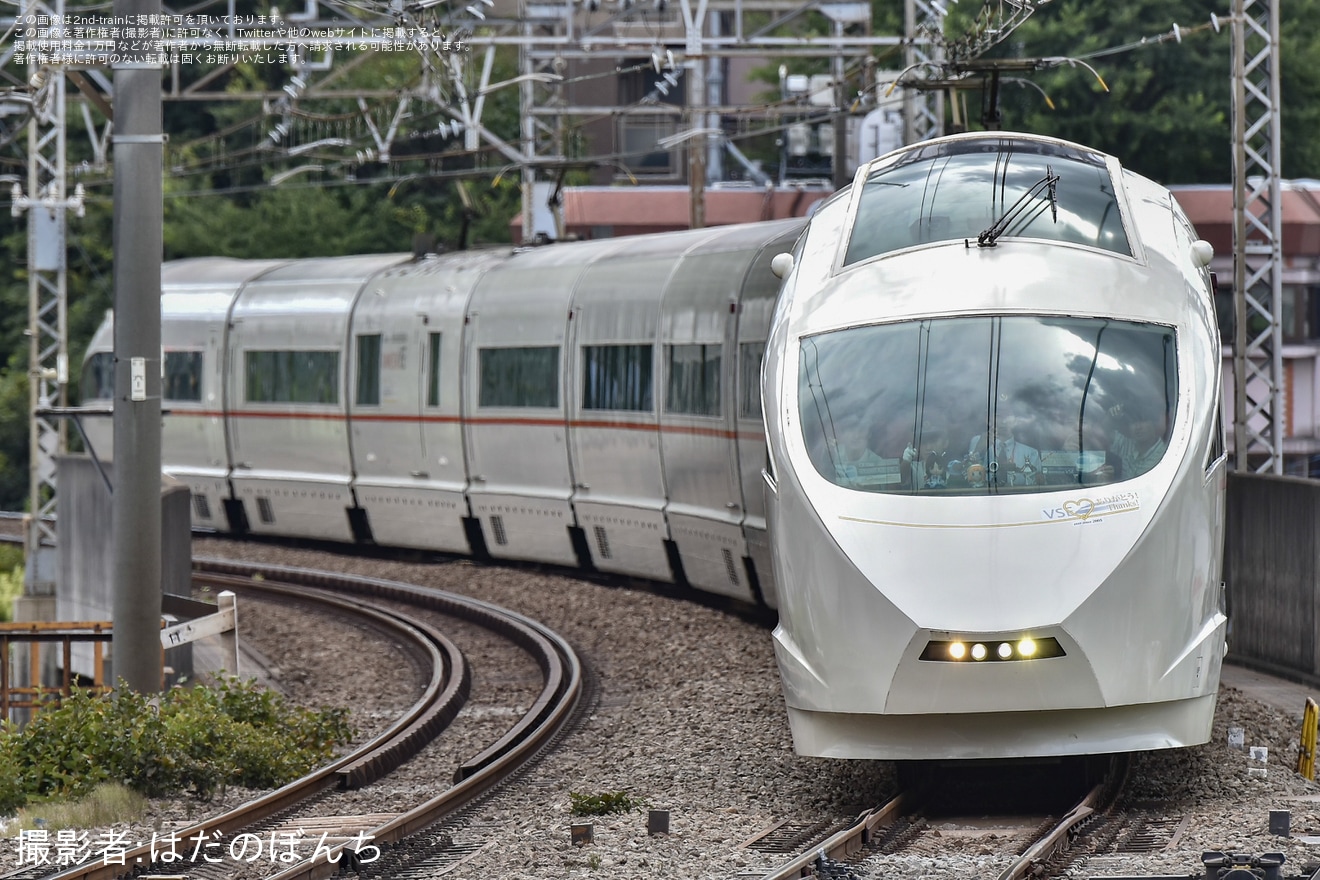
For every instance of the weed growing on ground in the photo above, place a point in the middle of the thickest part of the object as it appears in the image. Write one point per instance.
(189, 739)
(602, 804)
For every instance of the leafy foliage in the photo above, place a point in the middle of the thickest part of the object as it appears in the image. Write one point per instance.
(197, 739)
(11, 578)
(1167, 113)
(602, 804)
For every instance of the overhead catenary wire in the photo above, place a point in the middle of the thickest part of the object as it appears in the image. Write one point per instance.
(203, 165)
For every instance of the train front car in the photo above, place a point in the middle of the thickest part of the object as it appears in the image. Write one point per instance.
(997, 465)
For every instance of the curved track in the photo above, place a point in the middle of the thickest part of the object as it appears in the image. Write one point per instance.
(443, 697)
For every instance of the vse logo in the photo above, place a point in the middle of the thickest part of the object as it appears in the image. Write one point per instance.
(1084, 508)
(1079, 509)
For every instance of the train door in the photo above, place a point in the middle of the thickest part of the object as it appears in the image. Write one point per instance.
(213, 383)
(210, 491)
(289, 425)
(514, 407)
(384, 415)
(698, 429)
(614, 432)
(440, 307)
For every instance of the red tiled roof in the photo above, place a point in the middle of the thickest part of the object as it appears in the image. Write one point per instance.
(1210, 208)
(637, 210)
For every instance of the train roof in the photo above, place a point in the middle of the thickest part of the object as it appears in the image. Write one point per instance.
(1120, 246)
(355, 268)
(213, 272)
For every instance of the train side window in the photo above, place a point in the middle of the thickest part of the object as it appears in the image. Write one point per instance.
(617, 377)
(291, 376)
(368, 370)
(750, 355)
(433, 370)
(527, 376)
(98, 378)
(694, 379)
(183, 375)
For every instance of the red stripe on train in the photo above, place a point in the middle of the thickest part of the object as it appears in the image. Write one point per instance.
(692, 430)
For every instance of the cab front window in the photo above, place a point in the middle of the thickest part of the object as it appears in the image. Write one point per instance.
(987, 405)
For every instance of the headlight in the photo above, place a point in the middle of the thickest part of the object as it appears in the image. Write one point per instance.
(1012, 648)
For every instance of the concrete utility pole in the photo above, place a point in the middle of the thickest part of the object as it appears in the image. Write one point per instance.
(1257, 238)
(138, 246)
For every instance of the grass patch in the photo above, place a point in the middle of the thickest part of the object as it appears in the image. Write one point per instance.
(602, 804)
(108, 803)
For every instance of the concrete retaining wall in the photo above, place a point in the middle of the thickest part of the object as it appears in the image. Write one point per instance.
(86, 549)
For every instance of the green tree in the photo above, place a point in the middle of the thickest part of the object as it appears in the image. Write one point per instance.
(1167, 113)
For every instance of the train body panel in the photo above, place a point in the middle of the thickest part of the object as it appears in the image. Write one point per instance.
(619, 491)
(287, 393)
(755, 307)
(1009, 542)
(198, 295)
(408, 457)
(357, 451)
(515, 411)
(698, 329)
(201, 297)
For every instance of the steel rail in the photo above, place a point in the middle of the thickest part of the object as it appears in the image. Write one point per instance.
(559, 665)
(424, 720)
(1099, 799)
(551, 711)
(1056, 839)
(843, 844)
(849, 841)
(444, 695)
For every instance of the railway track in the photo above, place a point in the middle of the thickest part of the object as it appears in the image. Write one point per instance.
(305, 802)
(1030, 844)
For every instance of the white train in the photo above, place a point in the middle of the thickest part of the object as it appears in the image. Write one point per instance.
(595, 403)
(995, 469)
(996, 496)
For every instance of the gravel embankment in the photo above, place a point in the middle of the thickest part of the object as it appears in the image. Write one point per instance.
(690, 719)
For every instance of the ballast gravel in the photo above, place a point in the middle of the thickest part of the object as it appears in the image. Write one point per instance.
(687, 717)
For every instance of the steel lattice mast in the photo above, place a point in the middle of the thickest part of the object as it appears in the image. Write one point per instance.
(923, 111)
(46, 203)
(1257, 238)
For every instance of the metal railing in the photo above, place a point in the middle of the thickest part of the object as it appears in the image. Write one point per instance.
(34, 635)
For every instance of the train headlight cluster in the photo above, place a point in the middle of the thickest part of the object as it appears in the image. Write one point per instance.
(992, 650)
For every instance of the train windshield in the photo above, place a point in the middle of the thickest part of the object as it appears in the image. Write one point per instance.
(961, 189)
(987, 405)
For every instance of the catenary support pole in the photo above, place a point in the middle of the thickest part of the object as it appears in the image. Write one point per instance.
(138, 212)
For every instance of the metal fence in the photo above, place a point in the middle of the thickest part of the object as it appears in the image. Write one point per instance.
(1271, 560)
